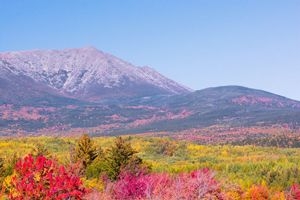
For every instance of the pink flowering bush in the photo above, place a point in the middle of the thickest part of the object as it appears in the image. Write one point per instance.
(198, 184)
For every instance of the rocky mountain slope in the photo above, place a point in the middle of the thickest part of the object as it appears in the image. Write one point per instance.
(85, 73)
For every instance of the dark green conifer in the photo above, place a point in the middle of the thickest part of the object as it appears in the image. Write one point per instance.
(119, 156)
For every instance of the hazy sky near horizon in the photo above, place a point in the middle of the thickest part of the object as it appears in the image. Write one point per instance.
(199, 43)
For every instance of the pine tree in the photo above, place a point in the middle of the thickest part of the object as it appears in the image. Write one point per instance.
(2, 168)
(85, 151)
(40, 150)
(119, 156)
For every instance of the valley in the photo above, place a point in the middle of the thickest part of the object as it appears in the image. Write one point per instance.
(66, 109)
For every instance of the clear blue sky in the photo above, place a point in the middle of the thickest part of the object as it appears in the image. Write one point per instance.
(200, 43)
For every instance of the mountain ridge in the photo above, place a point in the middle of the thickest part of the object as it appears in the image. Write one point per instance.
(88, 90)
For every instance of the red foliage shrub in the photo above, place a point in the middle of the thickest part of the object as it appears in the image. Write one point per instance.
(129, 186)
(294, 193)
(42, 178)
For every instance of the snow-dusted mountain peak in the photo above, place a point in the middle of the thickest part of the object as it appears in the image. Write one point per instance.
(88, 73)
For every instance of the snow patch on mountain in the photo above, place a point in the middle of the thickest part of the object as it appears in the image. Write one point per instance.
(72, 71)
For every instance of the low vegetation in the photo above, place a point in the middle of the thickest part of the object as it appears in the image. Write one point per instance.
(135, 167)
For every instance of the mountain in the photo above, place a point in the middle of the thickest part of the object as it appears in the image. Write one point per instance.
(86, 90)
(228, 105)
(86, 73)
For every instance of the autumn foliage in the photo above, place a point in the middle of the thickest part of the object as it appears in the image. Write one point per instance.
(133, 168)
(259, 192)
(294, 193)
(42, 178)
(199, 184)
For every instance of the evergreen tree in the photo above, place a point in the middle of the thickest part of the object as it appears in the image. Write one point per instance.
(121, 155)
(40, 150)
(1, 167)
(85, 151)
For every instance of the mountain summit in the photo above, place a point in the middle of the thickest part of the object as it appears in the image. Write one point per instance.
(59, 91)
(83, 73)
